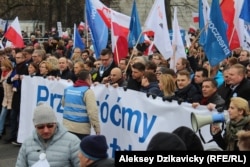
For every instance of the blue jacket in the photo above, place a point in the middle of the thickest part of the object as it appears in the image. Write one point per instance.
(152, 88)
(75, 107)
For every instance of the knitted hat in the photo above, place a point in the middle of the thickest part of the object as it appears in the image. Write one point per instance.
(191, 140)
(43, 114)
(94, 147)
(164, 141)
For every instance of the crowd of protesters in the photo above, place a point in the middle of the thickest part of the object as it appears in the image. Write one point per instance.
(193, 80)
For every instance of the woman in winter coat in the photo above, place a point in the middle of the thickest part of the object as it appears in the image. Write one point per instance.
(239, 119)
(6, 67)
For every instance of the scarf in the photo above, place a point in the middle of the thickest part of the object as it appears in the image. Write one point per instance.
(232, 128)
(81, 83)
(5, 73)
(204, 101)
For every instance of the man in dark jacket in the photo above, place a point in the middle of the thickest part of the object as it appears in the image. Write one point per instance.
(93, 152)
(64, 72)
(239, 85)
(20, 69)
(210, 97)
(108, 64)
(186, 91)
(134, 82)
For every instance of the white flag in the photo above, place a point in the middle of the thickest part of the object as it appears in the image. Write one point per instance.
(177, 43)
(241, 26)
(157, 22)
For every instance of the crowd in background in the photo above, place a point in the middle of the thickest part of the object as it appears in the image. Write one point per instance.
(193, 80)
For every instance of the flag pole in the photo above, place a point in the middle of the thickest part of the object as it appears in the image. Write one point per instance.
(117, 54)
(131, 56)
(86, 29)
(231, 37)
(196, 38)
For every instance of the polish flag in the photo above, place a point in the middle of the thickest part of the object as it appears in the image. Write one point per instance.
(149, 50)
(195, 17)
(65, 34)
(81, 26)
(14, 34)
(119, 34)
(228, 12)
(192, 29)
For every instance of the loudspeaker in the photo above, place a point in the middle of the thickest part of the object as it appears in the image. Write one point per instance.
(198, 121)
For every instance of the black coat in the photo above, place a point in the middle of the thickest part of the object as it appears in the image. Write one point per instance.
(107, 162)
(224, 90)
(105, 73)
(66, 74)
(188, 94)
(133, 84)
(218, 100)
(242, 90)
(21, 69)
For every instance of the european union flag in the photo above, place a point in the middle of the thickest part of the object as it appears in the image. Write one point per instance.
(78, 43)
(216, 47)
(202, 39)
(134, 28)
(244, 14)
(99, 30)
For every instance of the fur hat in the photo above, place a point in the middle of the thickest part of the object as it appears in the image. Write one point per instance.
(191, 140)
(44, 114)
(94, 147)
(164, 141)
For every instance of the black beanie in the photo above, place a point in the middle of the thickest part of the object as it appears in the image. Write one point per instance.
(191, 140)
(164, 141)
(94, 147)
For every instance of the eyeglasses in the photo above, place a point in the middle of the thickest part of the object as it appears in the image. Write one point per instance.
(42, 126)
(158, 73)
(105, 59)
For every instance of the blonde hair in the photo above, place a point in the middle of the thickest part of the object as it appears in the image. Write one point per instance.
(168, 82)
(76, 57)
(244, 139)
(54, 62)
(41, 53)
(7, 64)
(47, 64)
(81, 63)
(241, 104)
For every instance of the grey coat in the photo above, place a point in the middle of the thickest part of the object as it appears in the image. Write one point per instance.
(60, 151)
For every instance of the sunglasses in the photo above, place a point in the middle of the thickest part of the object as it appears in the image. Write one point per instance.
(42, 126)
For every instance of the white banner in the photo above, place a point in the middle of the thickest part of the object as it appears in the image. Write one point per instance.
(59, 28)
(128, 118)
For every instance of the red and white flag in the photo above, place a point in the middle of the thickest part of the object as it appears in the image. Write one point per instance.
(81, 26)
(149, 50)
(157, 22)
(228, 12)
(14, 34)
(119, 33)
(65, 34)
(195, 17)
(240, 26)
(192, 28)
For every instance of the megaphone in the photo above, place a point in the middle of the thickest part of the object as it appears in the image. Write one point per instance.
(199, 121)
